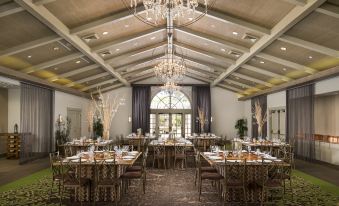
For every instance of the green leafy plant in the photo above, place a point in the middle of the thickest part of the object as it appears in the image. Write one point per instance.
(241, 126)
(98, 128)
(62, 131)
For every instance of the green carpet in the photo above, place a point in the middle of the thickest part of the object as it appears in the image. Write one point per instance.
(34, 190)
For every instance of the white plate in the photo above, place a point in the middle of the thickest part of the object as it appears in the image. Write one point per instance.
(109, 160)
(72, 158)
(219, 161)
(268, 161)
(82, 160)
(232, 160)
(128, 157)
(251, 161)
(277, 160)
(215, 158)
(209, 153)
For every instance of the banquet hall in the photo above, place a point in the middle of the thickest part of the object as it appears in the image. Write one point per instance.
(169, 102)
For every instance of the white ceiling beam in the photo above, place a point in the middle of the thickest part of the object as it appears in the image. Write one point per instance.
(117, 17)
(329, 10)
(10, 8)
(30, 45)
(109, 88)
(90, 78)
(309, 45)
(197, 77)
(129, 66)
(227, 87)
(248, 78)
(132, 73)
(265, 72)
(51, 63)
(287, 63)
(136, 52)
(210, 55)
(146, 76)
(42, 2)
(74, 72)
(233, 20)
(293, 17)
(202, 71)
(238, 83)
(45, 16)
(110, 81)
(213, 39)
(296, 2)
(202, 63)
(127, 39)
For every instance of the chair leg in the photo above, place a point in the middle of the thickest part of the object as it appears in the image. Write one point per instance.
(200, 185)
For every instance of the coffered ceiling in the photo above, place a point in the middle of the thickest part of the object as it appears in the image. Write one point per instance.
(246, 46)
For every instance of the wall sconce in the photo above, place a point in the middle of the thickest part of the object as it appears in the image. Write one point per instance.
(211, 119)
(129, 119)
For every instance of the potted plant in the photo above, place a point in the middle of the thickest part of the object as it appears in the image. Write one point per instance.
(241, 126)
(63, 130)
(98, 128)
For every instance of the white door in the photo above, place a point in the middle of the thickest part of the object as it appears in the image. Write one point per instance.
(75, 117)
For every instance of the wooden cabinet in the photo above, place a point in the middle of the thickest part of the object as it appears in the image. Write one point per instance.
(13, 145)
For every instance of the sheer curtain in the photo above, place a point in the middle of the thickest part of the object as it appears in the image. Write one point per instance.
(37, 120)
(300, 120)
(263, 103)
(141, 98)
(201, 98)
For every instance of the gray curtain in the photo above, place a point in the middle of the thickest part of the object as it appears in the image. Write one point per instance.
(300, 120)
(141, 100)
(263, 102)
(201, 98)
(36, 119)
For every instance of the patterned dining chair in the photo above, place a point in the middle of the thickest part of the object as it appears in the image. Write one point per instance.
(106, 178)
(200, 168)
(159, 154)
(234, 180)
(68, 151)
(54, 158)
(180, 154)
(72, 179)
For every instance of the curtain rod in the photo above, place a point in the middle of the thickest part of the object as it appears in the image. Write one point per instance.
(301, 85)
(36, 85)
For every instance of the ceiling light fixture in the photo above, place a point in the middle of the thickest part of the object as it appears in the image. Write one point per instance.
(55, 48)
(117, 49)
(310, 57)
(283, 48)
(235, 33)
(284, 69)
(153, 37)
(262, 62)
(78, 62)
(29, 56)
(105, 33)
(170, 87)
(223, 50)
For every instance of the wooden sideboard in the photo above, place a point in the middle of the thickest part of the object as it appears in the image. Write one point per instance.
(13, 144)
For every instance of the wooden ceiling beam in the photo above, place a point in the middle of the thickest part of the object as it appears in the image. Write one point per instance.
(238, 83)
(30, 45)
(117, 17)
(309, 45)
(329, 10)
(213, 39)
(127, 39)
(136, 52)
(51, 63)
(287, 63)
(230, 88)
(98, 84)
(293, 17)
(74, 72)
(134, 72)
(26, 77)
(138, 63)
(45, 16)
(216, 15)
(202, 71)
(202, 63)
(199, 78)
(210, 55)
(42, 2)
(90, 78)
(265, 72)
(143, 77)
(109, 88)
(248, 78)
(10, 8)
(297, 2)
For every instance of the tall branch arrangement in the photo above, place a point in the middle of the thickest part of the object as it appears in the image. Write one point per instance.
(106, 107)
(259, 116)
(201, 118)
(90, 115)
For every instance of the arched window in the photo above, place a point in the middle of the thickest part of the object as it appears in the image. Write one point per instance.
(175, 100)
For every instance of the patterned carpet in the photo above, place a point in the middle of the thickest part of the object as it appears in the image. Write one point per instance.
(167, 187)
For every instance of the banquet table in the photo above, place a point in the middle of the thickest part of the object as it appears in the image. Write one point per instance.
(78, 146)
(270, 146)
(88, 171)
(169, 147)
(206, 140)
(139, 139)
(253, 170)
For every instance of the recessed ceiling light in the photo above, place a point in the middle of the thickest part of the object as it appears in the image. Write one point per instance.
(56, 68)
(126, 25)
(149, 19)
(284, 69)
(310, 57)
(29, 56)
(190, 18)
(105, 33)
(56, 48)
(235, 33)
(117, 49)
(283, 48)
(78, 62)
(262, 62)
(153, 37)
(223, 50)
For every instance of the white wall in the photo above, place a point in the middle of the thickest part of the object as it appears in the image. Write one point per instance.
(226, 110)
(13, 108)
(62, 101)
(154, 80)
(120, 124)
(327, 85)
(248, 116)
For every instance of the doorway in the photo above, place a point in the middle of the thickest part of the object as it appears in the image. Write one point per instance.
(75, 116)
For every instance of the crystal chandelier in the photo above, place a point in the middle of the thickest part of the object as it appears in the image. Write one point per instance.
(157, 10)
(171, 69)
(170, 87)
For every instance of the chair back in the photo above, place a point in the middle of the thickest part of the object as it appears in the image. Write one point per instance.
(105, 169)
(179, 149)
(234, 171)
(53, 158)
(160, 150)
(71, 170)
(68, 151)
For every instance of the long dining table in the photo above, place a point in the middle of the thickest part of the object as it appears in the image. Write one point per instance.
(205, 139)
(254, 163)
(125, 159)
